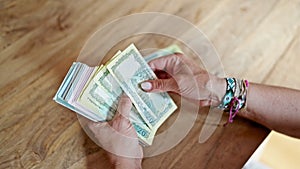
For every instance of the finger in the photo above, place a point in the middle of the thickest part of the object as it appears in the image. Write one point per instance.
(124, 106)
(174, 63)
(160, 85)
(166, 63)
(162, 74)
(90, 127)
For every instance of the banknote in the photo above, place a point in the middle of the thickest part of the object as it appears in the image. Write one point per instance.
(112, 88)
(95, 95)
(130, 69)
(95, 99)
(83, 76)
(94, 92)
(144, 133)
(163, 52)
(106, 81)
(67, 88)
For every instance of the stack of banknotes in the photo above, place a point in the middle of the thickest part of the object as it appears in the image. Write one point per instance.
(94, 92)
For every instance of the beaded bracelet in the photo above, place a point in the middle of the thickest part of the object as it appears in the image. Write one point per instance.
(235, 97)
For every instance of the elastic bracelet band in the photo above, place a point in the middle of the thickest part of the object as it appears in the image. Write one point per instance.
(230, 90)
(235, 97)
(244, 98)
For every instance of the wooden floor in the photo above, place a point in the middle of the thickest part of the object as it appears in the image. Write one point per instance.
(39, 40)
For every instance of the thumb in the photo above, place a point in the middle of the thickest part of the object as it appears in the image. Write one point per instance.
(160, 85)
(124, 106)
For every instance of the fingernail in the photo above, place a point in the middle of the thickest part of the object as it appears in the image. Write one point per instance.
(146, 86)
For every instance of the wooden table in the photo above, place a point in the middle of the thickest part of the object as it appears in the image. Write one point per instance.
(257, 40)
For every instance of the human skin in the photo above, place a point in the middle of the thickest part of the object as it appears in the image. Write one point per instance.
(117, 137)
(277, 108)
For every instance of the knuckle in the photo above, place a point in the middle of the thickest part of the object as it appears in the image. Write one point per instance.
(159, 84)
(178, 54)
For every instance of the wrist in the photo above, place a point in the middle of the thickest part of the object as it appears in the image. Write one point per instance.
(217, 89)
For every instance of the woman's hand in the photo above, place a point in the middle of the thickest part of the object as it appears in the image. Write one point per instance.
(179, 74)
(119, 138)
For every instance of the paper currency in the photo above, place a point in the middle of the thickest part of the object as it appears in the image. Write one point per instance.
(163, 52)
(130, 69)
(94, 92)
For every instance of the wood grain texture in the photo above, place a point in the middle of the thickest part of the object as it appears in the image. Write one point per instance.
(39, 40)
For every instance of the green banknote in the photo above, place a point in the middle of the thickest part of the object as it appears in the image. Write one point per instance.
(95, 91)
(129, 69)
(106, 81)
(97, 100)
(163, 52)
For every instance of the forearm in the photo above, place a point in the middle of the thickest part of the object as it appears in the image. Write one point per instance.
(128, 166)
(275, 107)
(126, 163)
